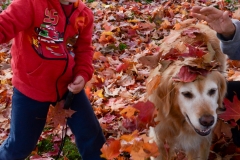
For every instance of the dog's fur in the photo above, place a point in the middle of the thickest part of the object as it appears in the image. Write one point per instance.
(180, 106)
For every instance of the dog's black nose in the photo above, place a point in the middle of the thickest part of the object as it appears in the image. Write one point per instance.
(206, 120)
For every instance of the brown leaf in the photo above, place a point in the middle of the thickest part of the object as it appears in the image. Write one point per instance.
(151, 61)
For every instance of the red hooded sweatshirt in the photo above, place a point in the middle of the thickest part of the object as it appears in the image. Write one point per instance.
(48, 50)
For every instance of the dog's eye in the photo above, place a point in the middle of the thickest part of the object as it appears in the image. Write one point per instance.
(212, 91)
(187, 94)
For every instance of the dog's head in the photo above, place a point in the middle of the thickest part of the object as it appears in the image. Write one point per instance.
(199, 101)
(192, 87)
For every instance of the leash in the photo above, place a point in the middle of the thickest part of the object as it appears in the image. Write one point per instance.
(66, 106)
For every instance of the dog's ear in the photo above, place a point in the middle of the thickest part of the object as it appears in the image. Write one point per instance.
(222, 89)
(165, 93)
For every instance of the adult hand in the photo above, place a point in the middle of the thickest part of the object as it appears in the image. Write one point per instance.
(217, 19)
(77, 85)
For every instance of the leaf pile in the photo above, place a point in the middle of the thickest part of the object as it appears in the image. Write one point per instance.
(125, 32)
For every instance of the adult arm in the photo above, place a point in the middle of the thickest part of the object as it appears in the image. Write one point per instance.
(226, 28)
(231, 46)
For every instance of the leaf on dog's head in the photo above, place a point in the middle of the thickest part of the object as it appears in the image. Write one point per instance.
(194, 52)
(153, 84)
(173, 54)
(190, 32)
(188, 22)
(209, 56)
(165, 64)
(232, 109)
(184, 75)
(172, 38)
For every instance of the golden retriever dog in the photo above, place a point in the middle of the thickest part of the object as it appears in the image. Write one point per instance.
(188, 92)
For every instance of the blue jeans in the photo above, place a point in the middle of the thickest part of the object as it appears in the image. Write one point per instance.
(28, 118)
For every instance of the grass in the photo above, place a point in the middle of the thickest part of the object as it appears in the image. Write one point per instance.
(69, 149)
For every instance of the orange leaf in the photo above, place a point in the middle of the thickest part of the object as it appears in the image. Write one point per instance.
(130, 137)
(153, 84)
(97, 55)
(110, 149)
(128, 112)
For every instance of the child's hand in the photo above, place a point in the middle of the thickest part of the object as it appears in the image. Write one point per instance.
(77, 85)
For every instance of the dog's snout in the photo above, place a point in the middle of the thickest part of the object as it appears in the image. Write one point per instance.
(206, 120)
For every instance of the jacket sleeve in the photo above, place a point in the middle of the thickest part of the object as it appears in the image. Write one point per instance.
(17, 17)
(231, 47)
(83, 50)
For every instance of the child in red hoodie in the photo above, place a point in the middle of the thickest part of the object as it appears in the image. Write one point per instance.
(51, 54)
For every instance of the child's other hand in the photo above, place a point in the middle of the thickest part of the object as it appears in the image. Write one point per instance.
(77, 85)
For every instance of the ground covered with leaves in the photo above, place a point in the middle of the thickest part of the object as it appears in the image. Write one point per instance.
(124, 31)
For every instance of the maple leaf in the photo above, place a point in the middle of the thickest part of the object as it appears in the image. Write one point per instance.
(184, 75)
(58, 115)
(173, 54)
(146, 114)
(190, 32)
(129, 112)
(153, 84)
(122, 67)
(151, 61)
(189, 73)
(234, 63)
(141, 150)
(193, 52)
(106, 37)
(209, 56)
(171, 39)
(111, 149)
(232, 109)
(130, 137)
(97, 55)
(222, 128)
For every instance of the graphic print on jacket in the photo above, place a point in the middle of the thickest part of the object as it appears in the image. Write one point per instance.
(48, 42)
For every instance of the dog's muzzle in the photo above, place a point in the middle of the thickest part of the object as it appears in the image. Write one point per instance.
(206, 121)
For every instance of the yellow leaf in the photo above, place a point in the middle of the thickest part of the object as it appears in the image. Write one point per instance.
(99, 93)
(129, 111)
(108, 33)
(133, 20)
(129, 137)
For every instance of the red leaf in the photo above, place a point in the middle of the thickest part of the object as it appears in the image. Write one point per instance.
(146, 113)
(173, 54)
(232, 109)
(193, 52)
(190, 32)
(122, 67)
(185, 75)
